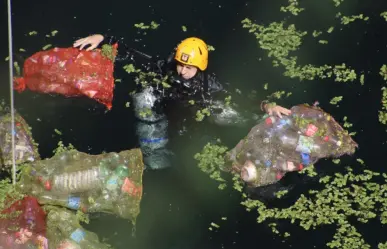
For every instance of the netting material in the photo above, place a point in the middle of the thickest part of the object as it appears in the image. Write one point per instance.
(276, 146)
(25, 147)
(110, 182)
(26, 228)
(71, 72)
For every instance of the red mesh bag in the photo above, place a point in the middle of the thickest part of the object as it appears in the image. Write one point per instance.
(71, 72)
(27, 229)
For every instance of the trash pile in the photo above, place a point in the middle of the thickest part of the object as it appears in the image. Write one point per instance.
(71, 72)
(110, 182)
(279, 145)
(25, 147)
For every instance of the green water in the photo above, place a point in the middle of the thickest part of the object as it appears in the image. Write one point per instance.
(180, 203)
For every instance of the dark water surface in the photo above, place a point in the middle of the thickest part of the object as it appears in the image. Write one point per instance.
(180, 203)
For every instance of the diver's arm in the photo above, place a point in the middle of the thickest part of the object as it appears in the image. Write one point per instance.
(222, 113)
(94, 41)
(272, 108)
(214, 85)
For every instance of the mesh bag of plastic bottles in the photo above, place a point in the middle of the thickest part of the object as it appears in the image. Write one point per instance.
(279, 145)
(65, 232)
(23, 226)
(25, 147)
(71, 72)
(110, 182)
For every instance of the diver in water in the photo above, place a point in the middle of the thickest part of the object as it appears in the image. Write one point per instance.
(185, 72)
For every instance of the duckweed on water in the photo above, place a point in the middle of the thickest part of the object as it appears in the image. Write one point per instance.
(336, 100)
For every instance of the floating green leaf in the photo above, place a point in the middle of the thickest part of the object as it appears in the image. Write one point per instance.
(384, 15)
(338, 2)
(316, 33)
(47, 47)
(336, 100)
(58, 132)
(362, 79)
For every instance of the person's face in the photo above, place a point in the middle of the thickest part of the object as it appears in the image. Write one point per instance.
(186, 71)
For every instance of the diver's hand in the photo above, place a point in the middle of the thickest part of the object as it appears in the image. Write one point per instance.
(93, 41)
(277, 110)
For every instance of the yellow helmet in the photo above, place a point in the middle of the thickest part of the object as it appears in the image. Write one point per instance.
(193, 51)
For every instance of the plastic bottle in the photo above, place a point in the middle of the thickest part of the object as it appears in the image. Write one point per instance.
(307, 112)
(282, 123)
(66, 224)
(287, 166)
(76, 235)
(75, 182)
(112, 182)
(249, 172)
(71, 202)
(122, 171)
(333, 140)
(293, 141)
(288, 140)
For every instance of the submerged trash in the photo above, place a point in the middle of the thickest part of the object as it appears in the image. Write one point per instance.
(25, 147)
(24, 226)
(110, 182)
(71, 72)
(279, 145)
(65, 232)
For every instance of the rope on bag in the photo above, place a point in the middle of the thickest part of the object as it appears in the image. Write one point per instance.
(10, 50)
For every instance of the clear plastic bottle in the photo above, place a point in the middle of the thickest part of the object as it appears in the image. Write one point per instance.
(282, 123)
(287, 166)
(307, 112)
(72, 202)
(112, 183)
(69, 228)
(292, 141)
(76, 182)
(288, 140)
